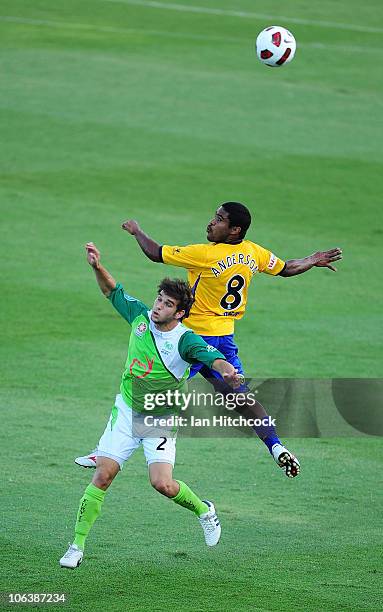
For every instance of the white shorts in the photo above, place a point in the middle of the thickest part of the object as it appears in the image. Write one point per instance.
(118, 441)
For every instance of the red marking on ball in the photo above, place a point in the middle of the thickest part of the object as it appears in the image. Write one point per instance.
(266, 54)
(284, 57)
(276, 38)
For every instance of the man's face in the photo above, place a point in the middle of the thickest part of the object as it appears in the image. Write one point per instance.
(164, 309)
(218, 229)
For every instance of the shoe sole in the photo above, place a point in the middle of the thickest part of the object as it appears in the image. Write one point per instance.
(69, 567)
(213, 545)
(290, 464)
(86, 467)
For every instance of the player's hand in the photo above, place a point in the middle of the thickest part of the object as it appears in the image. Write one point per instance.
(324, 259)
(233, 379)
(92, 254)
(131, 226)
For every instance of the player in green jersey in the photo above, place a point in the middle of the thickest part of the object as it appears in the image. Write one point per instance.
(160, 353)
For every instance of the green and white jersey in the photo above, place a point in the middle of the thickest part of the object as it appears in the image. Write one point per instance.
(157, 361)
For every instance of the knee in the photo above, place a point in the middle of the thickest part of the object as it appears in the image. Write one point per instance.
(103, 478)
(163, 486)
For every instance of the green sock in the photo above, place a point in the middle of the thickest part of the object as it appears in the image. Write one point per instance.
(186, 498)
(89, 510)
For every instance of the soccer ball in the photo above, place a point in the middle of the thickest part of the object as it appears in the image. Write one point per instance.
(275, 46)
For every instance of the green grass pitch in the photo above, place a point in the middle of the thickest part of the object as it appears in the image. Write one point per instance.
(113, 109)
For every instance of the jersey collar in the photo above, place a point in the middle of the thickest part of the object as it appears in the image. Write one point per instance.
(158, 332)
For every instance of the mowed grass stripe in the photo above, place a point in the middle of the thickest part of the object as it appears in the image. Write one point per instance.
(189, 8)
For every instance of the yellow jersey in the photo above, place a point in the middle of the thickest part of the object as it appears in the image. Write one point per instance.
(220, 274)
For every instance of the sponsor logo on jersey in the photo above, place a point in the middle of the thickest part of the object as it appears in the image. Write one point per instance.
(167, 348)
(210, 348)
(272, 262)
(141, 329)
(129, 298)
(145, 367)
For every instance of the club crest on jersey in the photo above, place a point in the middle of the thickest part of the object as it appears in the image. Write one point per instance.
(141, 329)
(167, 348)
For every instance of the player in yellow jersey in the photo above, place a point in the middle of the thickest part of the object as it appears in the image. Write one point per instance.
(220, 273)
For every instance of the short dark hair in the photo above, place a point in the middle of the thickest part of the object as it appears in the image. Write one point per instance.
(180, 290)
(239, 216)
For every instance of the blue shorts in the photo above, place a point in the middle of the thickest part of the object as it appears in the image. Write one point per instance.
(227, 346)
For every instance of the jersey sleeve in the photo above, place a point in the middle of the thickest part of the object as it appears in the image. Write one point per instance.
(128, 307)
(190, 256)
(193, 348)
(268, 262)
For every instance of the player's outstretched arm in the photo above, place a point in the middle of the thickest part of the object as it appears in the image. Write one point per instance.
(105, 280)
(150, 247)
(321, 259)
(228, 373)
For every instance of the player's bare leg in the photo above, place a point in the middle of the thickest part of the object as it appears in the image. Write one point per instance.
(161, 478)
(106, 471)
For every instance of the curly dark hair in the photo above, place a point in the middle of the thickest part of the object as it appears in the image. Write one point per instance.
(239, 215)
(181, 291)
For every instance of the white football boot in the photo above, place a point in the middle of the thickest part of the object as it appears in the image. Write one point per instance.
(210, 525)
(72, 557)
(286, 460)
(87, 461)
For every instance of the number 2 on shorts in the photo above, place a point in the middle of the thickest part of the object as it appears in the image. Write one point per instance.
(161, 445)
